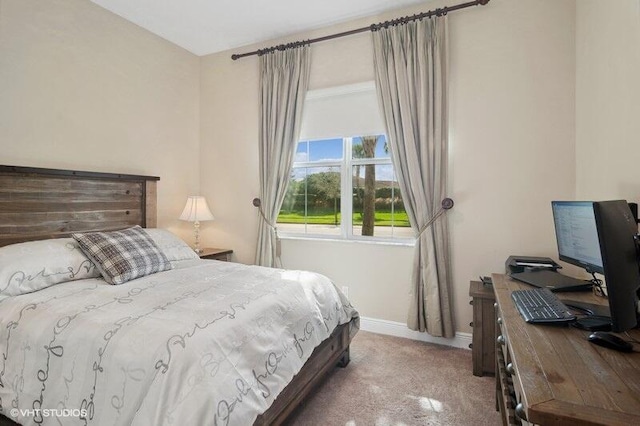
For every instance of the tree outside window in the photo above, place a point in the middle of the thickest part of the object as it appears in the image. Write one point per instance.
(339, 178)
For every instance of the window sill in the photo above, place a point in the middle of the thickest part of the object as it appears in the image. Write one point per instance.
(373, 241)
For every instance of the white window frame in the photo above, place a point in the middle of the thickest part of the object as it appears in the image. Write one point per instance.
(345, 167)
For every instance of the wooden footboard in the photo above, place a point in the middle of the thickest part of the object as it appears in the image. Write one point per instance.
(4, 421)
(331, 353)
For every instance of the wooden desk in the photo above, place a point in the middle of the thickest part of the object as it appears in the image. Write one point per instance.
(552, 375)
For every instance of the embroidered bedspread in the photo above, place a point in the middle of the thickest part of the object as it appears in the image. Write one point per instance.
(213, 343)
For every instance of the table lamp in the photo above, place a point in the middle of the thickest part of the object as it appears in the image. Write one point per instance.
(196, 210)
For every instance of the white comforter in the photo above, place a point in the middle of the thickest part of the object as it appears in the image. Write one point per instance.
(210, 344)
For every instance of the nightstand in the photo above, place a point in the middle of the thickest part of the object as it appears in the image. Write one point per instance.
(216, 254)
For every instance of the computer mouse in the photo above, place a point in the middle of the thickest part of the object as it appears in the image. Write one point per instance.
(611, 341)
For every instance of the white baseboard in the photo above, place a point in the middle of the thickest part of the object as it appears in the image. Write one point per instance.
(398, 329)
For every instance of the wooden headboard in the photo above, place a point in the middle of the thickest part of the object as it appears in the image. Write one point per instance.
(37, 203)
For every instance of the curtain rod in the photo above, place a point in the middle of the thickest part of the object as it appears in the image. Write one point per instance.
(373, 27)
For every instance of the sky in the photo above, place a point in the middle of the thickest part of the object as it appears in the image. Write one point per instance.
(331, 149)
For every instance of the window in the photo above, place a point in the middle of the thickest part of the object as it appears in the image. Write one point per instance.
(342, 184)
(344, 187)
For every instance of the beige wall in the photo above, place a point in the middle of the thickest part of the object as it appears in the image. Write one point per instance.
(608, 99)
(81, 88)
(512, 121)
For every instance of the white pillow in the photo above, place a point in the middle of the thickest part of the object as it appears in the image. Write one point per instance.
(173, 247)
(34, 265)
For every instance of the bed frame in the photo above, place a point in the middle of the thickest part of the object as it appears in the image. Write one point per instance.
(37, 204)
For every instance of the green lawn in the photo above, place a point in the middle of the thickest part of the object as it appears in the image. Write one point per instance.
(320, 219)
(328, 218)
(385, 219)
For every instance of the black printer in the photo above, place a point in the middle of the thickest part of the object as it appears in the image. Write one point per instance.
(515, 264)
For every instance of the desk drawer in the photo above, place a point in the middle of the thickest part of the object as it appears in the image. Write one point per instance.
(508, 384)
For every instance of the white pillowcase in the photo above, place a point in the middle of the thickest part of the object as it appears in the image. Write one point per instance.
(34, 265)
(172, 246)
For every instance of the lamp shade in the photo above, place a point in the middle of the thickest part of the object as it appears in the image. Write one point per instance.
(196, 209)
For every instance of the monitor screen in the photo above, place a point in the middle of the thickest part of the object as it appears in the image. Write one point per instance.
(577, 235)
(617, 230)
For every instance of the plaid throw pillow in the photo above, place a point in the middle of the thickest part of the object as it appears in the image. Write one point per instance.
(125, 255)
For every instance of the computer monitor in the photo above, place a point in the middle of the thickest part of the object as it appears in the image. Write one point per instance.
(576, 234)
(617, 234)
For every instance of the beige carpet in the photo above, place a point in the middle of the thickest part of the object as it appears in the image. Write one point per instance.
(395, 381)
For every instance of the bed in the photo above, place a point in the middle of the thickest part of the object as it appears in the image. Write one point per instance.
(204, 342)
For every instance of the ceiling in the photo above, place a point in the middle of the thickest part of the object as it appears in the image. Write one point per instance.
(208, 26)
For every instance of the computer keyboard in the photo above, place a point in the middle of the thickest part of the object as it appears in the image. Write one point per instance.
(541, 306)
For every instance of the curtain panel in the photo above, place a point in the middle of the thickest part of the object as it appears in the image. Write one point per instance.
(410, 63)
(284, 78)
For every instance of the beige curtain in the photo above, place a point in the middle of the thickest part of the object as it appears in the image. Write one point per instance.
(284, 78)
(411, 77)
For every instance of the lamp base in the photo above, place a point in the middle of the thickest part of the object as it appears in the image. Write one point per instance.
(196, 230)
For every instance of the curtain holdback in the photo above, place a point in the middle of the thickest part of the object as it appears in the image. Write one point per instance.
(446, 204)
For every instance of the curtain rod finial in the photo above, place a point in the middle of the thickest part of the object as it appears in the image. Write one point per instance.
(483, 2)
